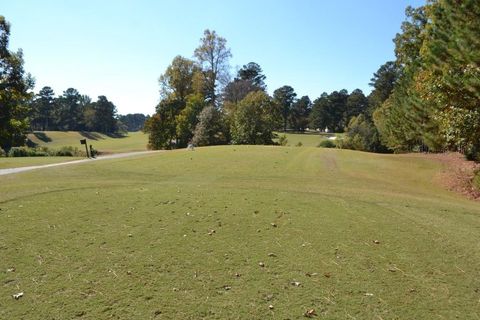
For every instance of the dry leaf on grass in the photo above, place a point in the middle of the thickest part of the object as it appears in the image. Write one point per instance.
(310, 313)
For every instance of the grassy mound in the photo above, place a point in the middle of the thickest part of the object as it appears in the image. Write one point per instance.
(239, 233)
(134, 141)
(308, 139)
(6, 163)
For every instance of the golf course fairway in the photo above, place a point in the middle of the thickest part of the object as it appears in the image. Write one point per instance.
(239, 232)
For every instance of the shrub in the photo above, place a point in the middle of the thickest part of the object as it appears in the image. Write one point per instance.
(64, 152)
(18, 152)
(361, 134)
(68, 151)
(299, 144)
(473, 153)
(2, 153)
(327, 144)
(210, 129)
(282, 140)
(45, 152)
(27, 152)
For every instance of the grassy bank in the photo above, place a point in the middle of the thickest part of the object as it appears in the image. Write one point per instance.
(134, 141)
(309, 139)
(31, 161)
(239, 233)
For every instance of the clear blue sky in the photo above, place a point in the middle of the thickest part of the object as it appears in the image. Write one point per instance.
(119, 48)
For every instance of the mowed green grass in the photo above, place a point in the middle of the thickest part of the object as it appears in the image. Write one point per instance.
(304, 139)
(181, 234)
(31, 161)
(134, 141)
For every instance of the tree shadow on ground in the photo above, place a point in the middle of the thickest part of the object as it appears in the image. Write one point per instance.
(98, 136)
(42, 136)
(116, 135)
(91, 135)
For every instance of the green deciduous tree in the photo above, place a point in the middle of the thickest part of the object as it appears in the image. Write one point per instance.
(253, 122)
(159, 132)
(15, 94)
(211, 129)
(181, 90)
(161, 127)
(362, 135)
(213, 56)
(187, 120)
(177, 80)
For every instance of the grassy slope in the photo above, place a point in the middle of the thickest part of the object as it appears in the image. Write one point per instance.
(129, 238)
(134, 141)
(31, 161)
(307, 139)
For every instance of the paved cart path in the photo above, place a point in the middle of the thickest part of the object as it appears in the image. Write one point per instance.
(110, 156)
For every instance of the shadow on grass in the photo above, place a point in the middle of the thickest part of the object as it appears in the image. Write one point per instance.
(42, 136)
(116, 135)
(98, 136)
(91, 135)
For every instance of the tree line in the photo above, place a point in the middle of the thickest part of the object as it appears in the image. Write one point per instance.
(200, 105)
(425, 100)
(21, 110)
(73, 111)
(428, 99)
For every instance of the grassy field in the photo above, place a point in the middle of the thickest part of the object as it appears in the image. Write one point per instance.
(239, 233)
(134, 141)
(305, 139)
(31, 161)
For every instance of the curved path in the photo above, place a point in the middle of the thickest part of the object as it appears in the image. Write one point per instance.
(111, 156)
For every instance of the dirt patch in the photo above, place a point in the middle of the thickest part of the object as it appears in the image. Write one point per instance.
(458, 174)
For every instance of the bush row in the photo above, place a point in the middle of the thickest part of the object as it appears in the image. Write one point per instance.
(43, 152)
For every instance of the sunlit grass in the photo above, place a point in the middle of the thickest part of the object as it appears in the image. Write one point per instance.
(184, 235)
(6, 162)
(134, 141)
(308, 139)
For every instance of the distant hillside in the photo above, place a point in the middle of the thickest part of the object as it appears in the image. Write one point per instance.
(134, 141)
